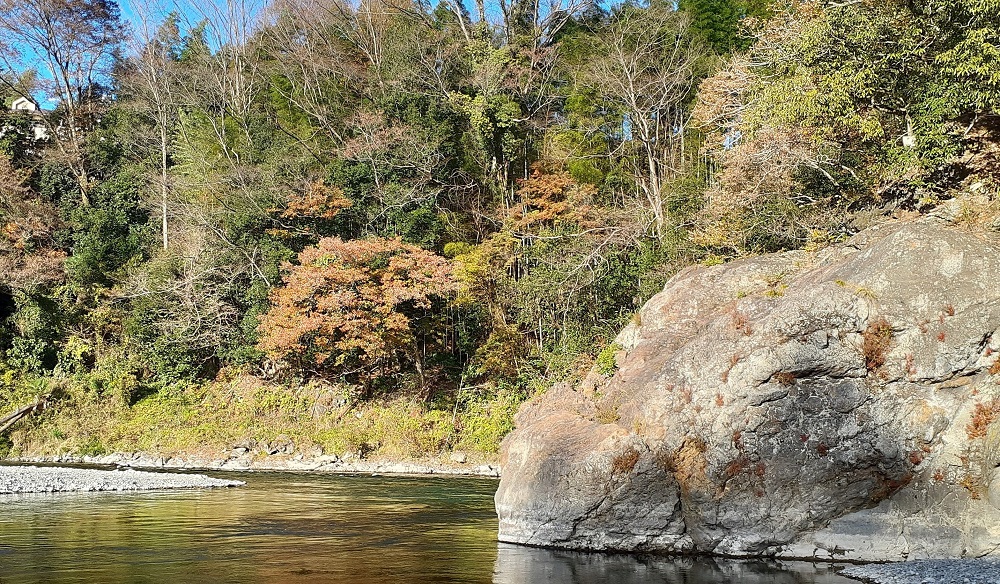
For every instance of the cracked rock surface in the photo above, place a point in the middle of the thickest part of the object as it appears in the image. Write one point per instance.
(835, 405)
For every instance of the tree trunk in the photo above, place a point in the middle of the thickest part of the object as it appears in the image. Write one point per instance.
(653, 191)
(163, 178)
(418, 362)
(10, 420)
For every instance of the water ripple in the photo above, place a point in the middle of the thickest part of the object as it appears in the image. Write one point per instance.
(288, 529)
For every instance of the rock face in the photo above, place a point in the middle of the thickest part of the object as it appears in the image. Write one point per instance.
(836, 404)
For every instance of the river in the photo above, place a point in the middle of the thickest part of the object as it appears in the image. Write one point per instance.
(286, 528)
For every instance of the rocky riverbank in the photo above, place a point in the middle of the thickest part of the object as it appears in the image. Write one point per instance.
(242, 461)
(972, 571)
(33, 479)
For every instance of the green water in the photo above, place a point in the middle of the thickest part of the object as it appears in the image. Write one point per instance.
(289, 528)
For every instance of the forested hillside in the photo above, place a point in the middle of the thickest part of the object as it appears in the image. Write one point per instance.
(378, 227)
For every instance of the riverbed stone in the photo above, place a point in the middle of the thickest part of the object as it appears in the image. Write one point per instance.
(832, 404)
(16, 480)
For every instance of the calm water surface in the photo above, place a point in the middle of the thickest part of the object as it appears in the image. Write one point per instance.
(289, 528)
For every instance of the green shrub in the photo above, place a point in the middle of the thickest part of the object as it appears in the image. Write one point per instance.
(607, 364)
(91, 447)
(485, 422)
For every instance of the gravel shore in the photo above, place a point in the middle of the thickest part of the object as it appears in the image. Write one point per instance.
(33, 479)
(241, 461)
(970, 571)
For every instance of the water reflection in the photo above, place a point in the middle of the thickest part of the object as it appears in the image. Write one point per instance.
(290, 529)
(281, 528)
(521, 565)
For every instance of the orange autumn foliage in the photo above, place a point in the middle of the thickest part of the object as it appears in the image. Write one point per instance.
(28, 224)
(316, 203)
(319, 201)
(355, 308)
(551, 197)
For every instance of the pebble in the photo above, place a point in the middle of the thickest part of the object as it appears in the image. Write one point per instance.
(966, 571)
(34, 479)
(245, 462)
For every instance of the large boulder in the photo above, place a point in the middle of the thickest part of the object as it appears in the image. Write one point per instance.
(831, 404)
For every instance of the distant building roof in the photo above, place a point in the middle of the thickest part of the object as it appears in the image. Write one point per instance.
(23, 104)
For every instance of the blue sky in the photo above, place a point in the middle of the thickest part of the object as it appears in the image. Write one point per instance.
(146, 16)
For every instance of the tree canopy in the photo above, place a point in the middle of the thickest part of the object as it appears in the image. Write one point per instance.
(405, 197)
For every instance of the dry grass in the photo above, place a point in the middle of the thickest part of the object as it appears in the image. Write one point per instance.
(876, 339)
(741, 323)
(982, 416)
(743, 465)
(980, 209)
(733, 360)
(887, 486)
(690, 465)
(625, 462)
(784, 378)
(736, 466)
(607, 412)
(971, 484)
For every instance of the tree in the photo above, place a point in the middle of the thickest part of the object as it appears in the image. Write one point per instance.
(842, 107)
(153, 87)
(722, 22)
(28, 257)
(646, 68)
(77, 41)
(552, 199)
(317, 69)
(359, 309)
(396, 153)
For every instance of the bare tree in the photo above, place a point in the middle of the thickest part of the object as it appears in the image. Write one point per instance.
(229, 79)
(398, 150)
(539, 21)
(647, 71)
(152, 81)
(77, 42)
(218, 137)
(190, 309)
(309, 43)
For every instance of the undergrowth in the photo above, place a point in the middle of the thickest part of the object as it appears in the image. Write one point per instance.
(209, 419)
